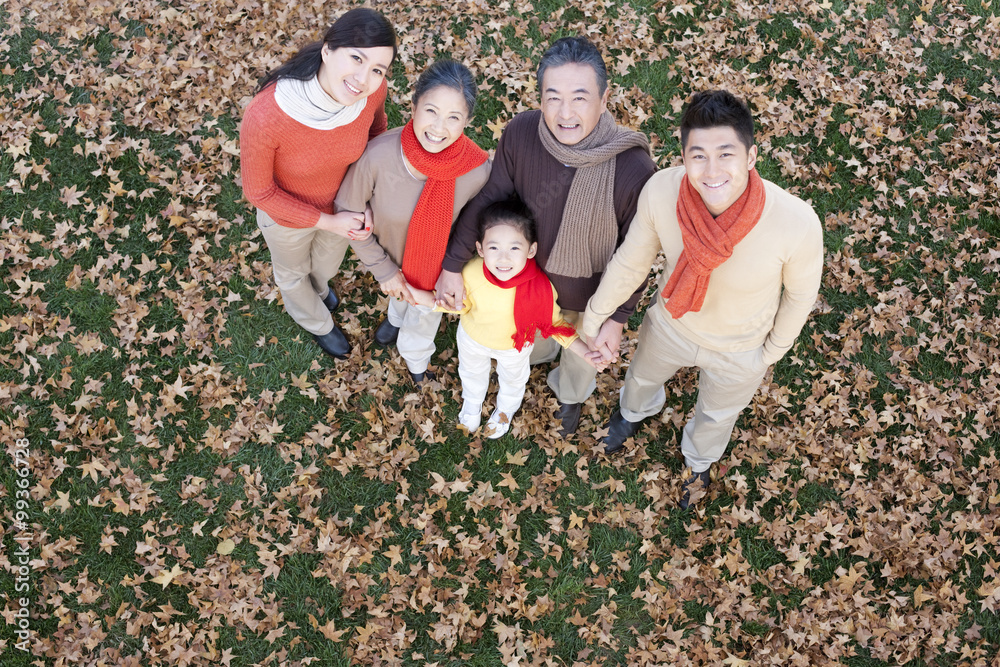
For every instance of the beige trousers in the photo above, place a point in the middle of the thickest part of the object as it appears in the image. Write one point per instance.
(304, 261)
(727, 381)
(573, 380)
(418, 326)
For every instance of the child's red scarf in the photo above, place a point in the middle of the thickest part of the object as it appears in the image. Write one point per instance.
(430, 224)
(532, 304)
(708, 242)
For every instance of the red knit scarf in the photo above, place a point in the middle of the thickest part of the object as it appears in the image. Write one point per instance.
(532, 304)
(430, 224)
(708, 242)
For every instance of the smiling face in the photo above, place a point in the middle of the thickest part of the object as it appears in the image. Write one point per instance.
(505, 251)
(571, 102)
(718, 166)
(439, 118)
(349, 74)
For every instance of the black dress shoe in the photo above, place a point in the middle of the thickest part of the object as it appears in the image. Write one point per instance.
(420, 378)
(331, 300)
(386, 333)
(704, 478)
(569, 415)
(334, 343)
(619, 430)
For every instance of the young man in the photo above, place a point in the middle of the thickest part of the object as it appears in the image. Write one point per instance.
(742, 272)
(580, 174)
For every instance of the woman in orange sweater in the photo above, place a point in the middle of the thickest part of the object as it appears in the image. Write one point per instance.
(309, 121)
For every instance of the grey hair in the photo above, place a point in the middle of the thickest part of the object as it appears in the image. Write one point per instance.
(451, 74)
(578, 50)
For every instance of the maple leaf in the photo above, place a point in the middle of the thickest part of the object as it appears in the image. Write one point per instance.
(166, 577)
(496, 127)
(508, 481)
(519, 458)
(70, 196)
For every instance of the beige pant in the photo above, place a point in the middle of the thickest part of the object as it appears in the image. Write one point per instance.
(304, 261)
(727, 381)
(573, 380)
(418, 325)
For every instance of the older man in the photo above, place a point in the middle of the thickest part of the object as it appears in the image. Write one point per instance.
(580, 174)
(742, 272)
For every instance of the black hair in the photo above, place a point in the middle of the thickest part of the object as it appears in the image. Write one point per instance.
(509, 212)
(360, 28)
(451, 74)
(574, 50)
(716, 108)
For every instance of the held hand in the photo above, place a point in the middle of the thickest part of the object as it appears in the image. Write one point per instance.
(346, 223)
(608, 340)
(579, 347)
(596, 359)
(450, 290)
(397, 287)
(366, 230)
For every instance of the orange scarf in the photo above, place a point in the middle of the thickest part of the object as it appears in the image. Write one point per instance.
(708, 242)
(532, 304)
(430, 224)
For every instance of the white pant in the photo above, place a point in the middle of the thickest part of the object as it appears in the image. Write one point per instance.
(727, 381)
(418, 325)
(474, 362)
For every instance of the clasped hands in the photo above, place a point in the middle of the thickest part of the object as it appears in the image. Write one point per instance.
(349, 224)
(603, 347)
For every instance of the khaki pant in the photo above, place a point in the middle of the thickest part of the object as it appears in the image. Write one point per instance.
(304, 261)
(573, 380)
(727, 381)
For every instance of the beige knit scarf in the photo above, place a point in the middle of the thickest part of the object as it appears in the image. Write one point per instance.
(588, 233)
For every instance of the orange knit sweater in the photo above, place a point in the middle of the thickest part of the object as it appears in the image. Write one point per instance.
(292, 172)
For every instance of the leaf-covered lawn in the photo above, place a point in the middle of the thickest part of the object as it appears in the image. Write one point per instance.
(204, 487)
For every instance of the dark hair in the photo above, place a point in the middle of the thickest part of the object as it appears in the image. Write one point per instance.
(451, 74)
(578, 50)
(510, 212)
(716, 108)
(360, 28)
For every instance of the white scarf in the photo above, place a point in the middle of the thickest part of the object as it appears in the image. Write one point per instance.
(307, 103)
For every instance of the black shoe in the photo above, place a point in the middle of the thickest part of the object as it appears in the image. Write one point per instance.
(420, 378)
(619, 430)
(704, 478)
(569, 415)
(331, 300)
(334, 343)
(386, 333)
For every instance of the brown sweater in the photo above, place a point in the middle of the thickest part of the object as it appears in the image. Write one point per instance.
(524, 168)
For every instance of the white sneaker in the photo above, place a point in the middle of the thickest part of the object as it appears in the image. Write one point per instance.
(497, 425)
(471, 417)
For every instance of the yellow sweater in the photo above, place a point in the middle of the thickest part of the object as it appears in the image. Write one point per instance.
(488, 311)
(758, 298)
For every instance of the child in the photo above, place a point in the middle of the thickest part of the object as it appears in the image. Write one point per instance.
(507, 299)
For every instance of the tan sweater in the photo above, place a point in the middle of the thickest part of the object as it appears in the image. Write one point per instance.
(761, 296)
(380, 177)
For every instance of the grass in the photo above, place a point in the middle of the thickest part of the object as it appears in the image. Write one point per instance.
(873, 454)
